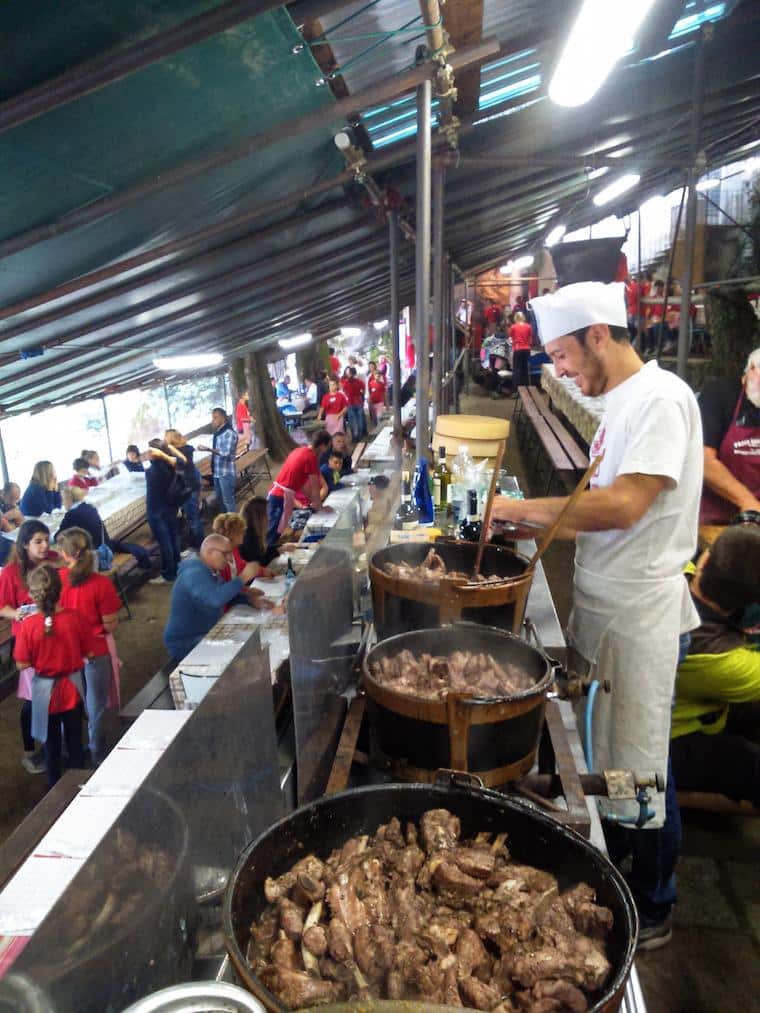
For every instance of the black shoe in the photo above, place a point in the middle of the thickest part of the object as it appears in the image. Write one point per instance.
(652, 937)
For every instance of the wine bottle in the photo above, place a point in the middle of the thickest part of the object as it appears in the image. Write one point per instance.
(471, 526)
(441, 481)
(407, 518)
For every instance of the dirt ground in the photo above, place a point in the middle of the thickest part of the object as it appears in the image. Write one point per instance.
(713, 963)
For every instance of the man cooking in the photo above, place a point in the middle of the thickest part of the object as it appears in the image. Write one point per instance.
(731, 422)
(635, 530)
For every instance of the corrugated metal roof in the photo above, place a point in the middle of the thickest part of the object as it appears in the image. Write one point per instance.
(319, 262)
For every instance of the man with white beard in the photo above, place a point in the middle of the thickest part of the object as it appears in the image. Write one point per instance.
(731, 424)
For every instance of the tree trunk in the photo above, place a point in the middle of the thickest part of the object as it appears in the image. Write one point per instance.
(237, 379)
(268, 420)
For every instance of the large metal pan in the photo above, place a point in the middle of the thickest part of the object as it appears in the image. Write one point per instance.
(324, 825)
(495, 738)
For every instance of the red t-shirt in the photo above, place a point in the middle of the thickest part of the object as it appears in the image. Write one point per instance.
(353, 388)
(13, 590)
(296, 469)
(91, 601)
(333, 404)
(242, 414)
(335, 365)
(81, 482)
(492, 314)
(376, 386)
(522, 337)
(61, 653)
(632, 298)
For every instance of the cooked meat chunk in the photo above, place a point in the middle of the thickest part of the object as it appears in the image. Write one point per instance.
(426, 915)
(280, 887)
(449, 878)
(588, 917)
(315, 940)
(477, 994)
(339, 940)
(570, 997)
(440, 830)
(295, 989)
(471, 954)
(291, 918)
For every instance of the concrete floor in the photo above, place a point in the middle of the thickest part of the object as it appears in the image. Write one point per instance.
(713, 963)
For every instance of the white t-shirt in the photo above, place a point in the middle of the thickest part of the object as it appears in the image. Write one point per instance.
(651, 426)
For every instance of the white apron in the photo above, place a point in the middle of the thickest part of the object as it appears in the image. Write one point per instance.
(627, 633)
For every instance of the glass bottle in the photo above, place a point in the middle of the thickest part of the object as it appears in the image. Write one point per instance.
(406, 518)
(421, 492)
(441, 481)
(471, 526)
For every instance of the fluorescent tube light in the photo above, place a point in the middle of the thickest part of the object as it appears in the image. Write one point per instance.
(380, 325)
(525, 261)
(616, 188)
(350, 332)
(295, 342)
(555, 235)
(708, 184)
(506, 268)
(602, 33)
(202, 360)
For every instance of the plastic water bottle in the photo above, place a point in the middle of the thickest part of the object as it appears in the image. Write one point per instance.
(290, 576)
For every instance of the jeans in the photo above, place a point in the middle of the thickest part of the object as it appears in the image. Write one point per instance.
(140, 553)
(72, 729)
(192, 512)
(25, 719)
(97, 681)
(224, 487)
(275, 507)
(165, 530)
(654, 852)
(357, 422)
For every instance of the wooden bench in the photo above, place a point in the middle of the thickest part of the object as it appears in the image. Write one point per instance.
(251, 466)
(155, 695)
(565, 456)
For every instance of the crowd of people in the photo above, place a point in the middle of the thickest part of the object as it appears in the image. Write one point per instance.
(62, 604)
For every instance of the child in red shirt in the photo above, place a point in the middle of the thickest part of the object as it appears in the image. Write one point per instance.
(32, 548)
(332, 409)
(54, 642)
(93, 597)
(376, 388)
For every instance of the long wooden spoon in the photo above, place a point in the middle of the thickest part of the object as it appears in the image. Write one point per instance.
(571, 500)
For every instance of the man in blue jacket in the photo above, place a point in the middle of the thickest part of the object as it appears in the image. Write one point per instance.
(199, 595)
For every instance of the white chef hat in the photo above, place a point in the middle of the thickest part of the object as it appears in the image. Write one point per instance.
(580, 305)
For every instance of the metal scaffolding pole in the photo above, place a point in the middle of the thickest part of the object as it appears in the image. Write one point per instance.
(108, 430)
(394, 314)
(695, 170)
(439, 287)
(3, 461)
(422, 266)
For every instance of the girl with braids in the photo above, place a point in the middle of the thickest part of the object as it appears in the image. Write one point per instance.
(93, 597)
(54, 643)
(32, 548)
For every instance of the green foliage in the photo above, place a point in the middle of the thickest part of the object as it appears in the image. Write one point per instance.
(733, 328)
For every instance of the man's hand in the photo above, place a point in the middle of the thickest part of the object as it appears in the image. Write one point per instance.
(202, 446)
(507, 509)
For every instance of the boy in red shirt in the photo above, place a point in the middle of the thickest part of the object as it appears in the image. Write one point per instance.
(333, 409)
(93, 597)
(299, 473)
(376, 387)
(334, 363)
(353, 388)
(54, 642)
(82, 477)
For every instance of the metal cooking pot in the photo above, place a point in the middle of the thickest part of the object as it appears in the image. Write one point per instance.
(533, 838)
(199, 997)
(402, 605)
(495, 738)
